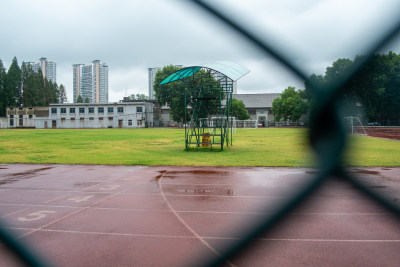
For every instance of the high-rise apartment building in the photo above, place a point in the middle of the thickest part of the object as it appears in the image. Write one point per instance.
(48, 68)
(91, 82)
(152, 76)
(77, 80)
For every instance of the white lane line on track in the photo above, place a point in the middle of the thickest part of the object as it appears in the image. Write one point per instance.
(205, 211)
(212, 237)
(204, 242)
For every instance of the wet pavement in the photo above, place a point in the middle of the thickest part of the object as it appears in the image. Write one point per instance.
(80, 215)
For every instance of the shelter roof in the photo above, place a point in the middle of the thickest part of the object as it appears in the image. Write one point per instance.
(231, 70)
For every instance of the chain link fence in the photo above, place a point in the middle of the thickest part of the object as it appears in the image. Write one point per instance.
(327, 135)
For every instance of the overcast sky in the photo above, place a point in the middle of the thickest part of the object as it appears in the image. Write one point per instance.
(133, 35)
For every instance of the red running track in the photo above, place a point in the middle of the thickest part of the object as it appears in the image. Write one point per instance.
(152, 216)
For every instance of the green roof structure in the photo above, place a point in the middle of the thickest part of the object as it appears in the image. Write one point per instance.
(231, 70)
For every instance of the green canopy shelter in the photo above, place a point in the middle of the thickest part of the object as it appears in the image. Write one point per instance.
(209, 127)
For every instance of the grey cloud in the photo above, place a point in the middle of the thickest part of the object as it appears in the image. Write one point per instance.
(131, 36)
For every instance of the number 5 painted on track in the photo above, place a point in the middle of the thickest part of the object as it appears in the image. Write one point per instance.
(35, 215)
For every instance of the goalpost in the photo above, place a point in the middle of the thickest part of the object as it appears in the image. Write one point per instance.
(354, 125)
(245, 123)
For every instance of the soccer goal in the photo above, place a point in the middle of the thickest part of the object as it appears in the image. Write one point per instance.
(354, 125)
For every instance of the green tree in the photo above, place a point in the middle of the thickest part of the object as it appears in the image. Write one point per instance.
(375, 86)
(29, 90)
(289, 106)
(141, 97)
(62, 94)
(87, 100)
(42, 89)
(138, 97)
(79, 99)
(239, 110)
(173, 94)
(2, 89)
(13, 84)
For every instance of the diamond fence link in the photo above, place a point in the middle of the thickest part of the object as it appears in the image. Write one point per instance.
(327, 133)
(327, 137)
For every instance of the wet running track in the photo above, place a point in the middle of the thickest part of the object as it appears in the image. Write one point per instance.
(151, 216)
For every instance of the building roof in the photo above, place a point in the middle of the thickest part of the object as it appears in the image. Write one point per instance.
(257, 100)
(231, 70)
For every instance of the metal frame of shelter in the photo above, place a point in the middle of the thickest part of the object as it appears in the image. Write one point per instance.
(209, 127)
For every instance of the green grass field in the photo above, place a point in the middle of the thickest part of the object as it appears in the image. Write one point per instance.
(251, 147)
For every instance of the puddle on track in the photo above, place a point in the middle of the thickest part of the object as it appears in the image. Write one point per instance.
(15, 177)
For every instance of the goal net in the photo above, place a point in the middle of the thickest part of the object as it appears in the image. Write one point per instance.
(354, 125)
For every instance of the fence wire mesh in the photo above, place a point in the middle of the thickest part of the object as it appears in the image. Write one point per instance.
(327, 136)
(327, 132)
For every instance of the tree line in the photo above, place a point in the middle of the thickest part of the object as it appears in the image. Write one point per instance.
(21, 86)
(372, 93)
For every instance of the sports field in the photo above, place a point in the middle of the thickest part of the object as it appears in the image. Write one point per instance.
(286, 147)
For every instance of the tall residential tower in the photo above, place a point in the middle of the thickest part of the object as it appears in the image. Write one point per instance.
(48, 68)
(152, 76)
(91, 82)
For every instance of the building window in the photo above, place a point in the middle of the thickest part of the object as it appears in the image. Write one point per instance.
(100, 110)
(21, 116)
(21, 122)
(81, 110)
(100, 118)
(110, 109)
(53, 110)
(91, 118)
(81, 119)
(72, 110)
(63, 110)
(91, 110)
(139, 123)
(72, 119)
(129, 122)
(11, 122)
(11, 116)
(120, 109)
(30, 116)
(62, 119)
(139, 109)
(110, 118)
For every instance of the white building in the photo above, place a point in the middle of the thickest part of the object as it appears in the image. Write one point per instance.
(91, 82)
(82, 115)
(25, 117)
(259, 106)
